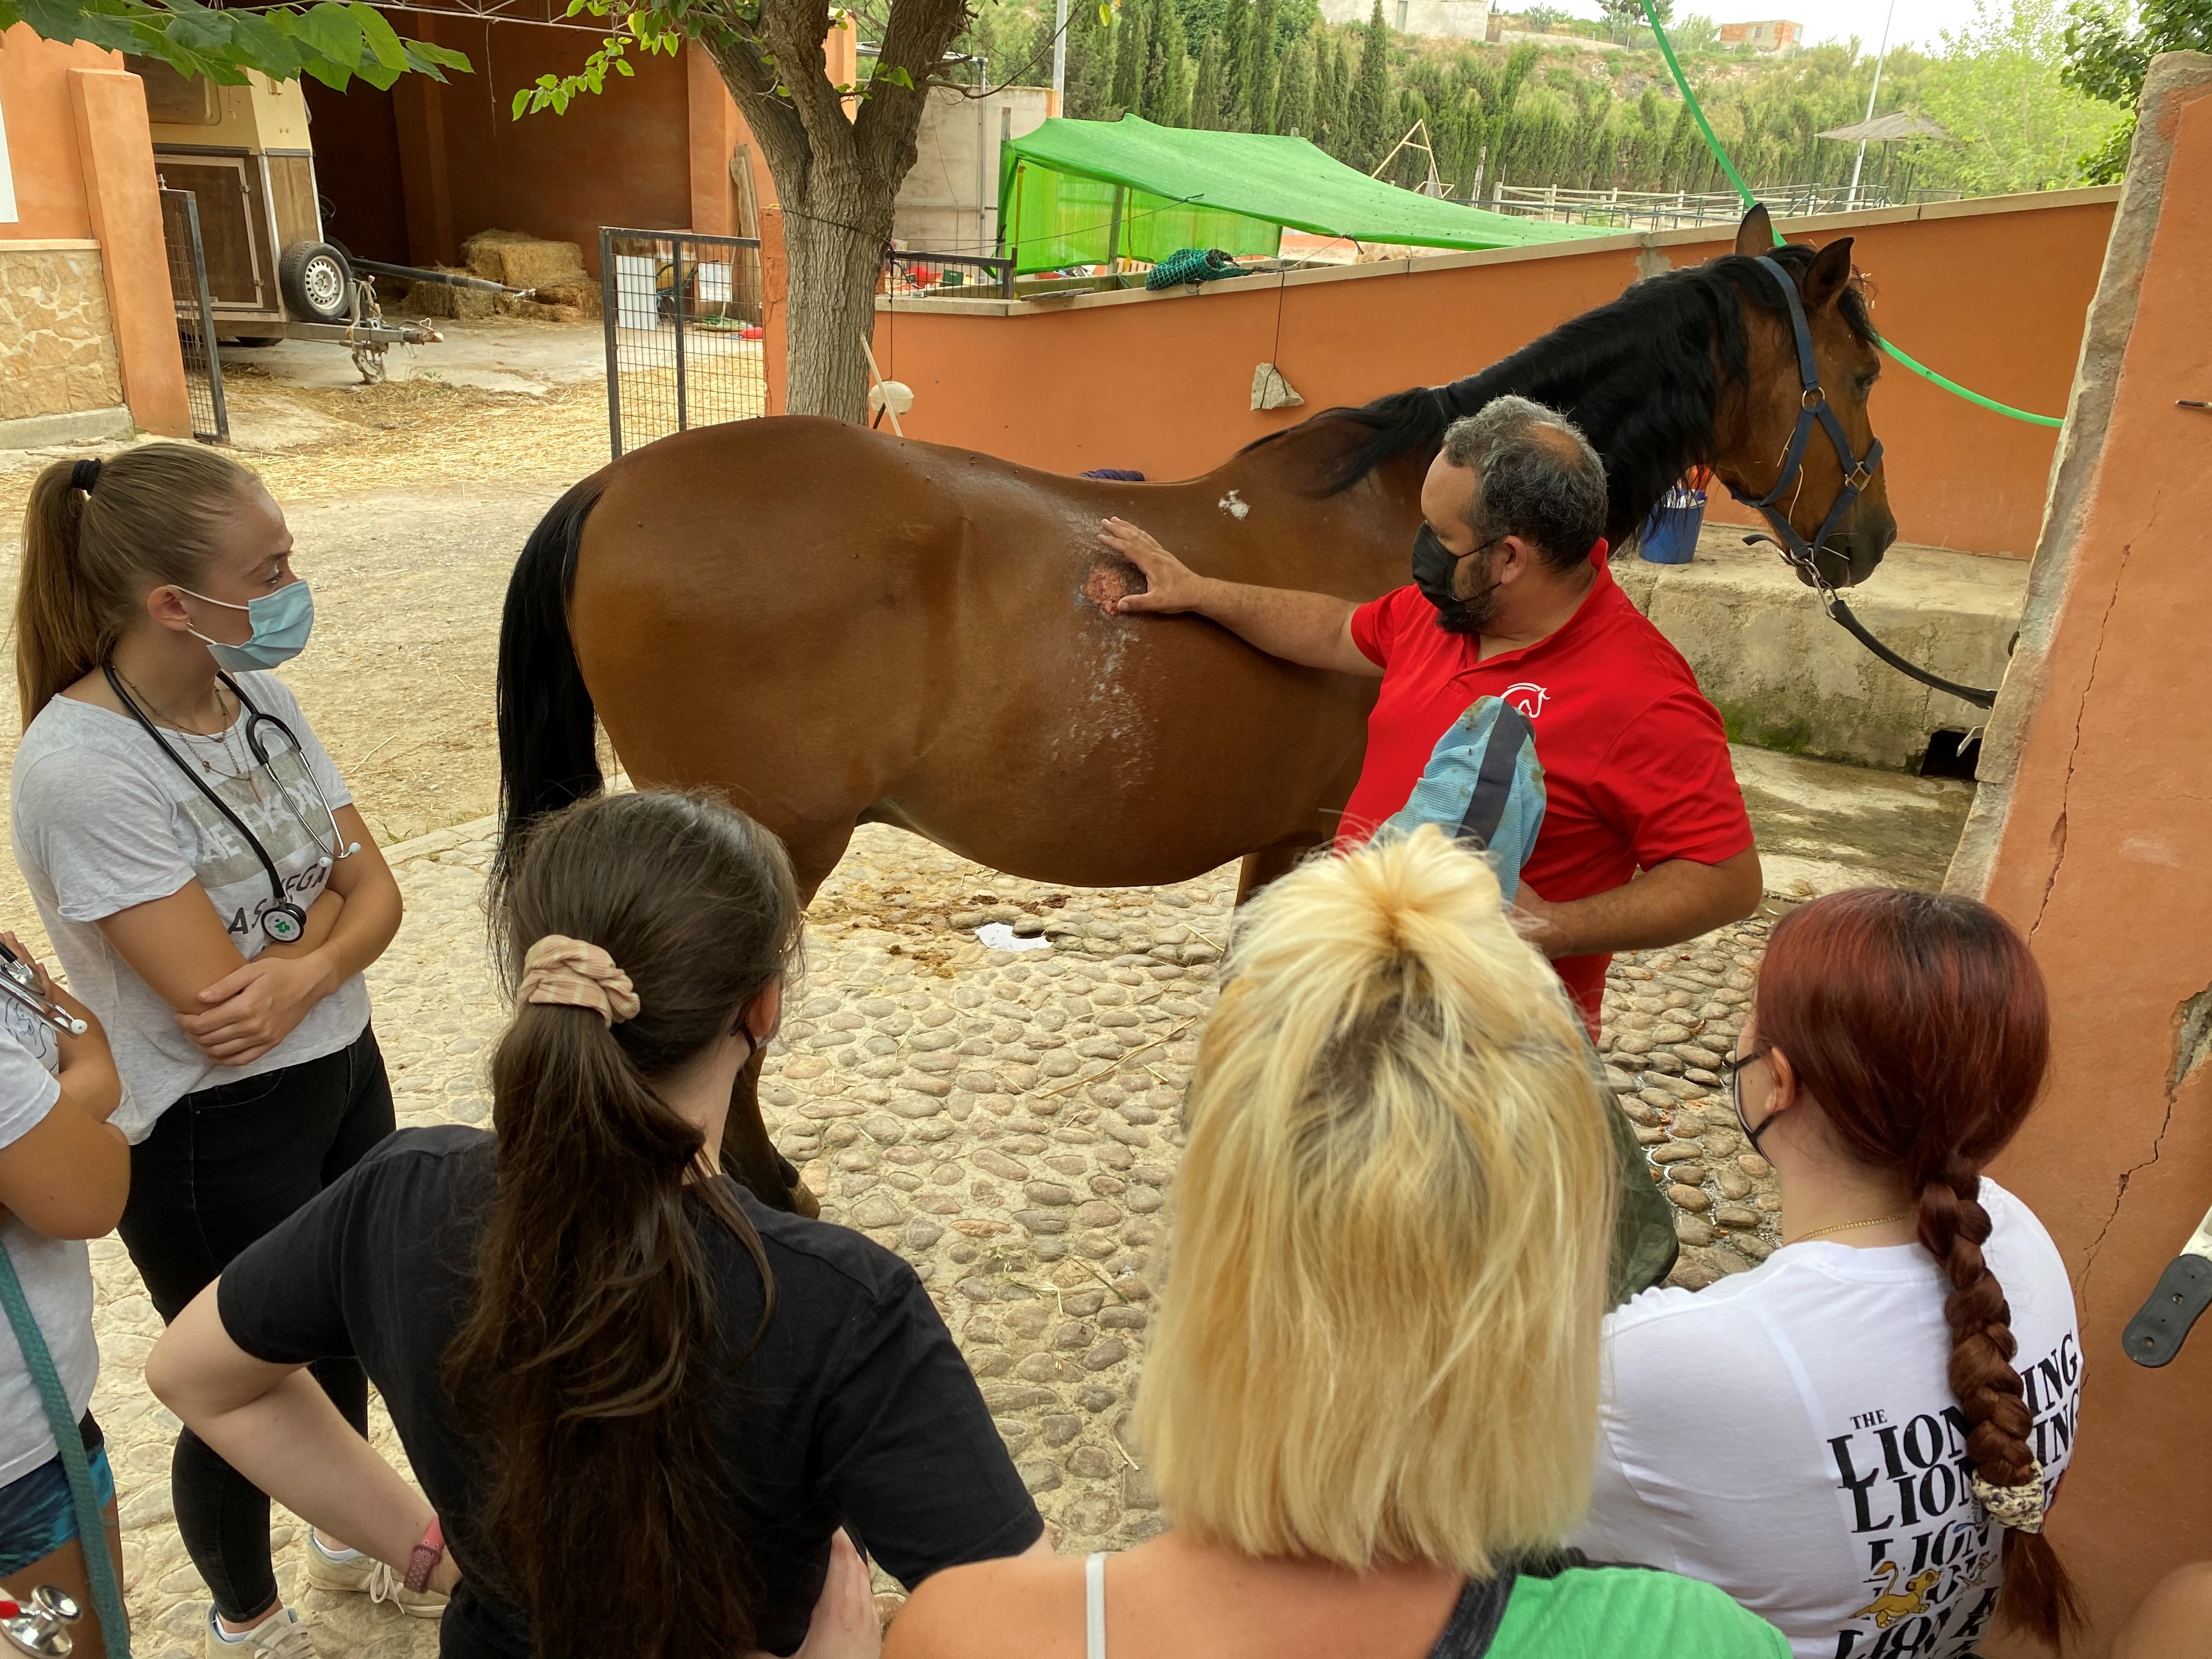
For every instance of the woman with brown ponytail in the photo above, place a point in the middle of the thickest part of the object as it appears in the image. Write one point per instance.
(641, 1403)
(1859, 1438)
(214, 896)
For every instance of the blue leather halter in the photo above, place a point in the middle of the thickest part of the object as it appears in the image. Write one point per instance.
(1858, 471)
(1812, 405)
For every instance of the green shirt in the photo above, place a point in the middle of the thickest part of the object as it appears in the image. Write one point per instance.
(1576, 1610)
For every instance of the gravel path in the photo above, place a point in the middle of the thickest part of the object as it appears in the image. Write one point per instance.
(1008, 1122)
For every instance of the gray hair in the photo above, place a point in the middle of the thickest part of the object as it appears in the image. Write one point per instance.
(1536, 477)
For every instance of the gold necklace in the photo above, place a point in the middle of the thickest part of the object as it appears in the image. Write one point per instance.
(1846, 1226)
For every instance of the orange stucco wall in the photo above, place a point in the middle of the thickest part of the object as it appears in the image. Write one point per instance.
(2101, 830)
(1992, 295)
(82, 162)
(42, 149)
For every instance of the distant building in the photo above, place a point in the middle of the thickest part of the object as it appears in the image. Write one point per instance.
(1775, 35)
(1436, 20)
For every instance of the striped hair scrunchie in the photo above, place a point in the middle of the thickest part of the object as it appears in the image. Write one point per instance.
(574, 974)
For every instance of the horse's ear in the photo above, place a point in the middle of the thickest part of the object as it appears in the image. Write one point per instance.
(1755, 235)
(1826, 277)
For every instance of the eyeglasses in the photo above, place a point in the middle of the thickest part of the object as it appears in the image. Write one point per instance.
(1732, 1070)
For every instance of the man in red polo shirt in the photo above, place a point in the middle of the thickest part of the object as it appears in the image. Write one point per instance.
(1645, 841)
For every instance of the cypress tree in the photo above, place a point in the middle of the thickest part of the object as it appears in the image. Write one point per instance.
(1206, 90)
(1156, 15)
(1236, 64)
(1294, 100)
(1128, 88)
(1170, 105)
(1373, 100)
(1090, 64)
(1259, 84)
(1328, 96)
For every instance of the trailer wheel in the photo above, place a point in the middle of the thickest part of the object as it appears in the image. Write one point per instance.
(255, 340)
(317, 282)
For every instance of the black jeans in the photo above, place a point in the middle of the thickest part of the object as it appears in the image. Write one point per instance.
(222, 1167)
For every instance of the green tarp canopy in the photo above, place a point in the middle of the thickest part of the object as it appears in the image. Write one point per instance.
(1083, 193)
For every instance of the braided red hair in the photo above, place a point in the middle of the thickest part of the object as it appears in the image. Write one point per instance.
(1927, 1015)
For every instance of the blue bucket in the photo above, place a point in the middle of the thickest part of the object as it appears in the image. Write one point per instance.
(1669, 536)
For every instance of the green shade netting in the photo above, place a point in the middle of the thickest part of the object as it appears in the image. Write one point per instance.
(1183, 188)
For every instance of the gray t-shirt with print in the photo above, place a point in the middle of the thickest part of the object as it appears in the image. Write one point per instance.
(104, 821)
(56, 1273)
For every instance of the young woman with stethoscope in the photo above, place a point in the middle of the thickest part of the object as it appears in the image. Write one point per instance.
(214, 896)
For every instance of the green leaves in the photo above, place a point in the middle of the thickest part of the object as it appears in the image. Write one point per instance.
(334, 40)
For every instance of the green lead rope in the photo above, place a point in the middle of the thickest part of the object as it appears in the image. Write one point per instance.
(1682, 81)
(91, 1525)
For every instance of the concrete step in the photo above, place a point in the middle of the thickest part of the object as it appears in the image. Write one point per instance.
(1821, 826)
(1787, 678)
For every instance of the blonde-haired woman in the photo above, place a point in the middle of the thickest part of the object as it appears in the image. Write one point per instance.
(1371, 1403)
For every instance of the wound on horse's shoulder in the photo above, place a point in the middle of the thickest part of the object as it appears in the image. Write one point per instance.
(1110, 580)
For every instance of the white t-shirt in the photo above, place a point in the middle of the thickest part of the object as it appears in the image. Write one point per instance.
(56, 1273)
(104, 821)
(1789, 1435)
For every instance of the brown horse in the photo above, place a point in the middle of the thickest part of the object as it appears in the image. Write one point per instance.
(835, 627)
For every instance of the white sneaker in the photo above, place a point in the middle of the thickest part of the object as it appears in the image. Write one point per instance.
(279, 1636)
(350, 1570)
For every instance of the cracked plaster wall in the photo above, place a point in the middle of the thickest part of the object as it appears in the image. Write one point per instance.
(2093, 833)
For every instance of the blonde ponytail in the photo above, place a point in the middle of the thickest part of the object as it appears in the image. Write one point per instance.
(1379, 1337)
(149, 517)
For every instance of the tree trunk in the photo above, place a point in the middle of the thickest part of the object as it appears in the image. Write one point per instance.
(837, 175)
(835, 245)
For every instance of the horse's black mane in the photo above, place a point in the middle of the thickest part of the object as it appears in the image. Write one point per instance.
(1637, 375)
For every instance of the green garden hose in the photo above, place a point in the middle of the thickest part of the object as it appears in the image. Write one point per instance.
(1682, 81)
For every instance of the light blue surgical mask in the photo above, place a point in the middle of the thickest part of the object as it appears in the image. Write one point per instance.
(282, 621)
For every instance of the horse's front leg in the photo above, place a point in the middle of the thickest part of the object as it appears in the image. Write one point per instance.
(749, 1156)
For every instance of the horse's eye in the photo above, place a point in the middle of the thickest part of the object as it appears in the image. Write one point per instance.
(1865, 384)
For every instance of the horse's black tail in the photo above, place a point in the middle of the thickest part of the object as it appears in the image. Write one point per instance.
(548, 740)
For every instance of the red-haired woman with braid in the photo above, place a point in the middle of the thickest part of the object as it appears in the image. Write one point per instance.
(1858, 1438)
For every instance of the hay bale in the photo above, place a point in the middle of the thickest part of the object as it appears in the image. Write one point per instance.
(520, 260)
(458, 304)
(531, 311)
(582, 296)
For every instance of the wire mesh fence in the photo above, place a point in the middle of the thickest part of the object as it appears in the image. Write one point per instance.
(188, 288)
(911, 275)
(684, 341)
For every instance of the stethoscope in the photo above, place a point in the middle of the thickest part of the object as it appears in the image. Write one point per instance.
(281, 921)
(20, 985)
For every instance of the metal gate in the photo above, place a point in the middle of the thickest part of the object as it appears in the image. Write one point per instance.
(188, 287)
(684, 343)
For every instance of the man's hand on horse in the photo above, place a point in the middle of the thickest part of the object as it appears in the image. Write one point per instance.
(1170, 584)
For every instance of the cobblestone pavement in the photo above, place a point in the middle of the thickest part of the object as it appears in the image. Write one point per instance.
(1008, 1122)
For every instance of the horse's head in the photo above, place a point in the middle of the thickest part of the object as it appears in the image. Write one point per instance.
(1779, 413)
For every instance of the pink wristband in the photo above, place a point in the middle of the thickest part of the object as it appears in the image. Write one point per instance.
(428, 1554)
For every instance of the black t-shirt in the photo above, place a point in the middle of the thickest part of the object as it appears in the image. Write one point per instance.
(855, 1409)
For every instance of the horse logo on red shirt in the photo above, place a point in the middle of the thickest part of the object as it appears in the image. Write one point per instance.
(1527, 698)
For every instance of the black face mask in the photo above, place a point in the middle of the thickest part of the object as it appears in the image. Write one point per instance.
(1434, 566)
